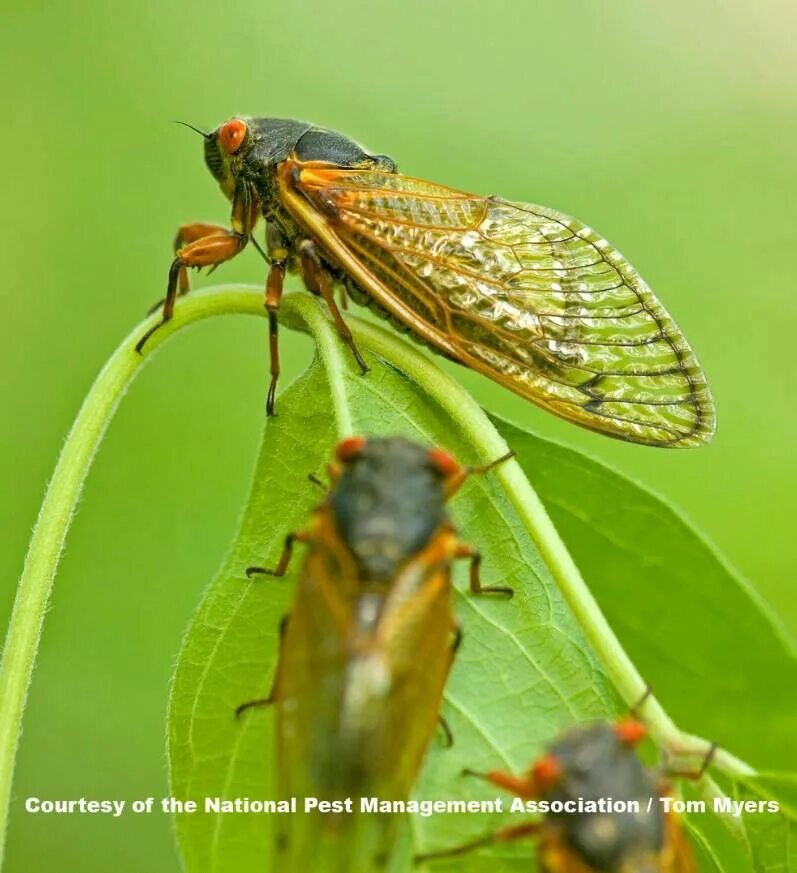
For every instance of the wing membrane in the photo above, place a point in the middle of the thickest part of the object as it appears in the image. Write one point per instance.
(531, 297)
(357, 708)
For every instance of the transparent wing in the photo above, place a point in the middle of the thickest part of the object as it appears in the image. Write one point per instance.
(677, 855)
(524, 294)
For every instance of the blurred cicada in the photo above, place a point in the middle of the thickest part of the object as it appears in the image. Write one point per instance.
(366, 649)
(593, 765)
(528, 296)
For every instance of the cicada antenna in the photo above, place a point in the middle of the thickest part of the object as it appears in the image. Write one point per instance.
(195, 129)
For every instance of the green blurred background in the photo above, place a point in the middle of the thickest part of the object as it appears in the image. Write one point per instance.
(671, 127)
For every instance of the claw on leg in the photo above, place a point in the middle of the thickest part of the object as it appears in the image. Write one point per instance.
(476, 587)
(211, 245)
(274, 285)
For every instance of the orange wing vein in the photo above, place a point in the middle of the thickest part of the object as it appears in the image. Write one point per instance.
(530, 297)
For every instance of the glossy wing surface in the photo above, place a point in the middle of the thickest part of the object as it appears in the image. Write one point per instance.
(531, 297)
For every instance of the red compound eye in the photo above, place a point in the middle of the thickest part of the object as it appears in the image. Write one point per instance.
(631, 731)
(444, 463)
(231, 135)
(546, 772)
(349, 448)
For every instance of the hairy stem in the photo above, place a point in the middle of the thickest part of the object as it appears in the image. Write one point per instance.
(58, 507)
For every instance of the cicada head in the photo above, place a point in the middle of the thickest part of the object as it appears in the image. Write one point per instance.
(388, 499)
(598, 761)
(225, 150)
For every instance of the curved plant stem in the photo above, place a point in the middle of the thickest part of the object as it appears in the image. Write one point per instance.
(59, 504)
(302, 311)
(489, 444)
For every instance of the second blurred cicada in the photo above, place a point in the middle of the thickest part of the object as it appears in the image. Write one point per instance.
(366, 648)
(526, 295)
(593, 765)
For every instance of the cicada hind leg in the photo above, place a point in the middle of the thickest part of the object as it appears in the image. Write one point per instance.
(274, 285)
(319, 281)
(472, 554)
(260, 702)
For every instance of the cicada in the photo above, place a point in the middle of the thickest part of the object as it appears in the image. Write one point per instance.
(366, 648)
(594, 762)
(524, 294)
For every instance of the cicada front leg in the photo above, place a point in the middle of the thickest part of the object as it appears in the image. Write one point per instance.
(206, 245)
(208, 250)
(505, 835)
(521, 786)
(186, 234)
(191, 233)
(461, 474)
(285, 558)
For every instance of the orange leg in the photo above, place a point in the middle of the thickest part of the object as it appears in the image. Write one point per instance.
(458, 480)
(318, 282)
(476, 587)
(207, 251)
(521, 786)
(189, 233)
(274, 284)
(505, 835)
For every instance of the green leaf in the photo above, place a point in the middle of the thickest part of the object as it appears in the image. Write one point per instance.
(532, 669)
(524, 669)
(692, 626)
(771, 837)
(719, 841)
(705, 855)
(229, 653)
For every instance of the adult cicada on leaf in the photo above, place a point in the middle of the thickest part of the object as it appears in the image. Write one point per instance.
(528, 296)
(605, 811)
(366, 648)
